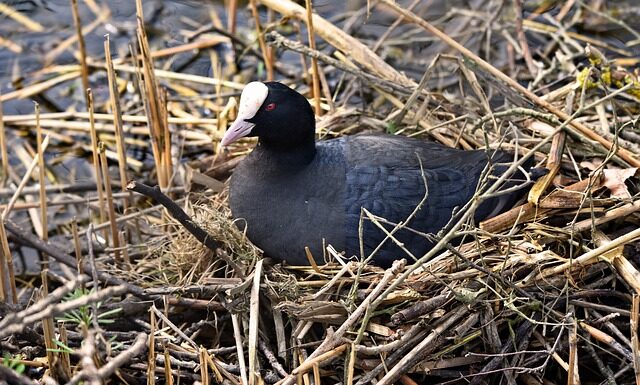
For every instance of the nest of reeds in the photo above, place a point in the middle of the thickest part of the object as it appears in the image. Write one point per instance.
(544, 293)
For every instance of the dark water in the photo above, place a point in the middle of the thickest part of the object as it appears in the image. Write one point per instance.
(166, 22)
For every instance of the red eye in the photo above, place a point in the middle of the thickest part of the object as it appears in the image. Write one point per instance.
(270, 107)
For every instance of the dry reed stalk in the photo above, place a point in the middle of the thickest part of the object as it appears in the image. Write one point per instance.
(11, 46)
(351, 364)
(237, 334)
(5, 257)
(3, 147)
(232, 11)
(522, 39)
(608, 216)
(76, 245)
(635, 342)
(620, 263)
(110, 205)
(217, 372)
(170, 75)
(20, 17)
(268, 63)
(65, 361)
(204, 373)
(581, 128)
(150, 94)
(47, 328)
(528, 211)
(591, 256)
(168, 376)
(196, 45)
(151, 354)
(64, 116)
(167, 161)
(23, 182)
(314, 61)
(96, 160)
(114, 97)
(83, 51)
(34, 89)
(573, 373)
(41, 180)
(123, 242)
(254, 316)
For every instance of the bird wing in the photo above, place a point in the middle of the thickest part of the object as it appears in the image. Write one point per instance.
(386, 175)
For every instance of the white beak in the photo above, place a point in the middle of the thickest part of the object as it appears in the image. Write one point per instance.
(253, 95)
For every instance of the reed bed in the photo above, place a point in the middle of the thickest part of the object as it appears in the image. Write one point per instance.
(161, 287)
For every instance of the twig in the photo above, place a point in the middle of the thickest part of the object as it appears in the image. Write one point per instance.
(314, 61)
(137, 348)
(635, 345)
(83, 51)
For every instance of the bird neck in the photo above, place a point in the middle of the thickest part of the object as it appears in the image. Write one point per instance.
(292, 149)
(291, 157)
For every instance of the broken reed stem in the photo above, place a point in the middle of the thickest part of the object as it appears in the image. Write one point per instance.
(3, 147)
(47, 327)
(84, 69)
(167, 161)
(151, 354)
(23, 182)
(41, 180)
(635, 344)
(232, 10)
(111, 209)
(268, 63)
(114, 97)
(5, 258)
(76, 245)
(204, 372)
(522, 39)
(64, 360)
(123, 242)
(150, 94)
(168, 376)
(96, 160)
(314, 61)
(254, 315)
(235, 322)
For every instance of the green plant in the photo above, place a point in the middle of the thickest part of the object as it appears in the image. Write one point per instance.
(63, 348)
(392, 128)
(84, 315)
(14, 362)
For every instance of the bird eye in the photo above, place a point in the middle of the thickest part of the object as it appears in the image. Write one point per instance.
(270, 107)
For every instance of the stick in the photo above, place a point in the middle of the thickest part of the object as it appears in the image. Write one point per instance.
(314, 61)
(83, 52)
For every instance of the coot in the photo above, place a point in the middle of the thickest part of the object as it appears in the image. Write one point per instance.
(291, 192)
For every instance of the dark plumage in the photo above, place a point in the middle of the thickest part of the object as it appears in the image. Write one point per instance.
(293, 192)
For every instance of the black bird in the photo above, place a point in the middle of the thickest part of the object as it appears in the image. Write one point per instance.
(292, 192)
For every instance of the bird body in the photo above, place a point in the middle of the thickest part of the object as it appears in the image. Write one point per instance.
(308, 194)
